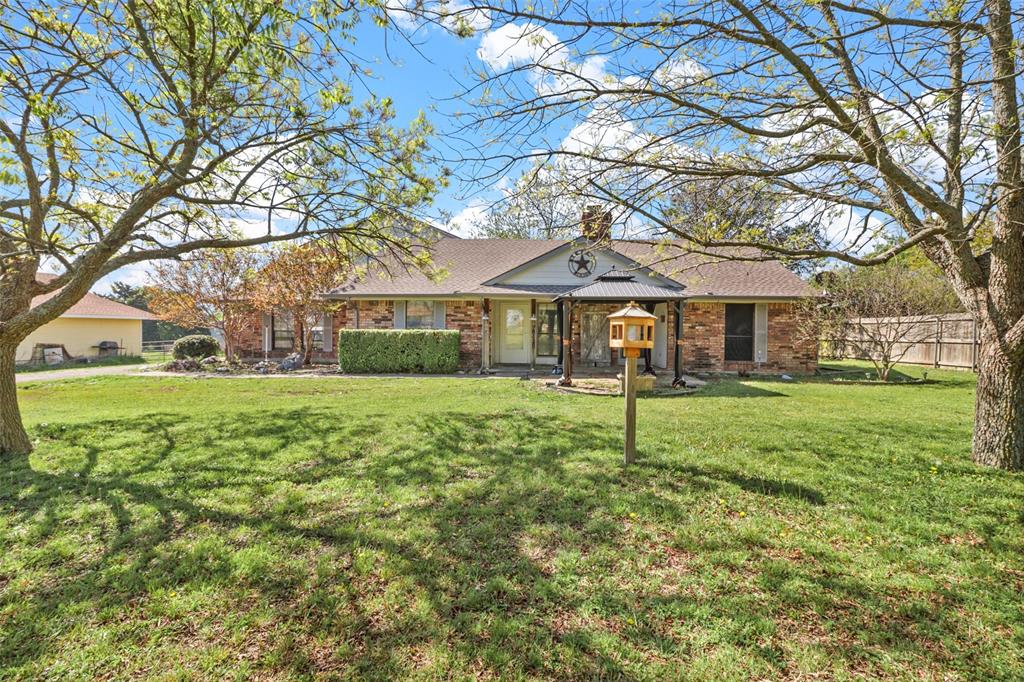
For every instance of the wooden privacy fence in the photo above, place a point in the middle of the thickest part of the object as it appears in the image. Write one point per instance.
(936, 340)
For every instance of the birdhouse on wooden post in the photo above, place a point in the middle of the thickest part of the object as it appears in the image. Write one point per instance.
(632, 330)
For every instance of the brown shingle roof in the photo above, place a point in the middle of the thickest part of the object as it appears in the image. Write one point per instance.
(469, 263)
(718, 277)
(472, 262)
(92, 305)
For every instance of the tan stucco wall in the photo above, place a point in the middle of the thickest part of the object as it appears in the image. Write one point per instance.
(78, 334)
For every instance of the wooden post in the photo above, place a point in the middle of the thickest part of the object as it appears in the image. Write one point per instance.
(485, 336)
(938, 341)
(630, 447)
(566, 378)
(561, 335)
(533, 333)
(677, 350)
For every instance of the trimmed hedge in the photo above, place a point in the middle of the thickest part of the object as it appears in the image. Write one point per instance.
(427, 351)
(196, 346)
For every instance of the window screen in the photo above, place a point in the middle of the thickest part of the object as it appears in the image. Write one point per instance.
(547, 329)
(419, 315)
(284, 331)
(739, 332)
(317, 334)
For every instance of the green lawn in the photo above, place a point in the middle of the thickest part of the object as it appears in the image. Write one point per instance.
(474, 528)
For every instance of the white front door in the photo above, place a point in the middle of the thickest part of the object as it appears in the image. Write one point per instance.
(514, 332)
(659, 357)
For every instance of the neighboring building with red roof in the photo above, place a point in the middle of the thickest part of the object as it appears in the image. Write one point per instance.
(90, 322)
(536, 302)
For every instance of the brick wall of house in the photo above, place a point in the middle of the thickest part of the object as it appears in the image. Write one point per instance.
(466, 316)
(250, 339)
(703, 347)
(786, 348)
(250, 345)
(704, 337)
(371, 315)
(704, 341)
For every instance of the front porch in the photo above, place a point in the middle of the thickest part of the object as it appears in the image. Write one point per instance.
(567, 335)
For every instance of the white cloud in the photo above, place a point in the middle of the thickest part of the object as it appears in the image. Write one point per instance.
(464, 222)
(252, 227)
(603, 132)
(136, 274)
(455, 16)
(548, 63)
(521, 44)
(679, 72)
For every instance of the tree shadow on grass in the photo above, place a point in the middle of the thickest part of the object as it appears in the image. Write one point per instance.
(505, 536)
(755, 484)
(737, 389)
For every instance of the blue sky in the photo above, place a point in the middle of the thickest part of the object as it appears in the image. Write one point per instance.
(430, 72)
(418, 77)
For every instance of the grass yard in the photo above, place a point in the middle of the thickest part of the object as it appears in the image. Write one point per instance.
(481, 528)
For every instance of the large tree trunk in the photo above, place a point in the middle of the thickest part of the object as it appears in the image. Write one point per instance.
(13, 439)
(999, 409)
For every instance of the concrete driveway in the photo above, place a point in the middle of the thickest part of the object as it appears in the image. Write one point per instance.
(76, 373)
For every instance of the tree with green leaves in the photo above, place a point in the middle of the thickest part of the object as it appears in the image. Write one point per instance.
(136, 130)
(872, 119)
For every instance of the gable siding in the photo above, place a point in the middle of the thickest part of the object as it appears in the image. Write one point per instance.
(554, 269)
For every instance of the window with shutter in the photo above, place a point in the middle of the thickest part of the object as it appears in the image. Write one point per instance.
(283, 328)
(419, 315)
(739, 332)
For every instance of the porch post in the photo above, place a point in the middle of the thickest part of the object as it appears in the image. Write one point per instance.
(561, 337)
(533, 333)
(648, 367)
(485, 336)
(677, 353)
(566, 378)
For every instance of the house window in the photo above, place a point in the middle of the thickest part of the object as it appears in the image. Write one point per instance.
(739, 332)
(419, 315)
(515, 329)
(547, 329)
(283, 328)
(317, 334)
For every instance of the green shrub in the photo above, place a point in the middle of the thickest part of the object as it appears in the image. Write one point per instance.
(197, 346)
(427, 351)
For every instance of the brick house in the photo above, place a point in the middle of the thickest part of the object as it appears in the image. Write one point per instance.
(537, 303)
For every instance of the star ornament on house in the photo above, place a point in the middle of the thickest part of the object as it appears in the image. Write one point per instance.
(582, 263)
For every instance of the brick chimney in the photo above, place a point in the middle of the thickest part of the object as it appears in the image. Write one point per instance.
(596, 224)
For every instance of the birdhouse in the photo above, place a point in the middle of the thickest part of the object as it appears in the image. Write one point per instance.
(631, 329)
